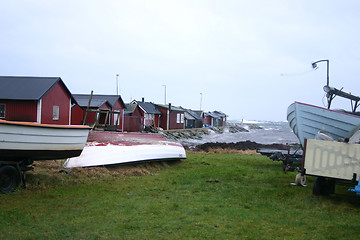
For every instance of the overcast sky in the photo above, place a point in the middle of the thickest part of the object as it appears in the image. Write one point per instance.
(249, 59)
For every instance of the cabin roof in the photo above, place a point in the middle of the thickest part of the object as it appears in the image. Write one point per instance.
(97, 100)
(27, 88)
(130, 108)
(179, 109)
(193, 114)
(147, 107)
(215, 114)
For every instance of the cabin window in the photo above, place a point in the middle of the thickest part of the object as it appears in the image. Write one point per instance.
(179, 118)
(2, 110)
(149, 116)
(56, 112)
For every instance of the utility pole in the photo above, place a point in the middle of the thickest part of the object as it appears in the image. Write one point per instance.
(117, 84)
(164, 92)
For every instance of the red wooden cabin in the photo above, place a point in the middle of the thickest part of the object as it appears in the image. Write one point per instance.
(171, 117)
(113, 103)
(44, 100)
(214, 119)
(150, 113)
(134, 118)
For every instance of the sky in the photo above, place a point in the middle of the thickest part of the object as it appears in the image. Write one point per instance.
(249, 59)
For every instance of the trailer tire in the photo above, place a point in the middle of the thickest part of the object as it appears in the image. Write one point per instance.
(323, 186)
(9, 178)
(300, 180)
(318, 188)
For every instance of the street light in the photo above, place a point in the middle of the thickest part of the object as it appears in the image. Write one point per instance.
(165, 92)
(200, 101)
(314, 65)
(117, 84)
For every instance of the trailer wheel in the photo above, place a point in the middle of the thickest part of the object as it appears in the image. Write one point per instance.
(300, 180)
(9, 179)
(318, 188)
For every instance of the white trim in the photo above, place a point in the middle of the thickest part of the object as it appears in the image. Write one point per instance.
(56, 113)
(123, 118)
(70, 111)
(168, 120)
(38, 114)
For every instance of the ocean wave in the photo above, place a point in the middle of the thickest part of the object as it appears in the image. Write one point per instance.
(265, 133)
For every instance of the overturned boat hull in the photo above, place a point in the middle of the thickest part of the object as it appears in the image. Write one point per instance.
(307, 120)
(108, 148)
(33, 141)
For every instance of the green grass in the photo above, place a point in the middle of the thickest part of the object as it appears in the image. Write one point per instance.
(207, 196)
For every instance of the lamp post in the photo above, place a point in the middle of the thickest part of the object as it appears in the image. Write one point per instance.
(200, 101)
(314, 65)
(164, 92)
(117, 84)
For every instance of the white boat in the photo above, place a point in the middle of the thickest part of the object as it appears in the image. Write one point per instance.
(108, 148)
(33, 141)
(307, 121)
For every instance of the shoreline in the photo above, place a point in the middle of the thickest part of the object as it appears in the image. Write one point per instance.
(241, 146)
(241, 137)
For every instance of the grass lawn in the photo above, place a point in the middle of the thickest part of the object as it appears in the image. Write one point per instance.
(207, 196)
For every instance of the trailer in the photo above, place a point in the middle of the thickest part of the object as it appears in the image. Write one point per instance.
(331, 162)
(290, 155)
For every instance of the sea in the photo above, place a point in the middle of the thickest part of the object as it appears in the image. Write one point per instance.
(263, 132)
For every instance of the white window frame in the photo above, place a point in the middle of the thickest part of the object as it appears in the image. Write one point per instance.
(179, 118)
(3, 115)
(56, 112)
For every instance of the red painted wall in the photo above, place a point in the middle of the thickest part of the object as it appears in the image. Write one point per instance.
(173, 119)
(157, 120)
(163, 118)
(59, 97)
(17, 110)
(134, 122)
(77, 115)
(207, 120)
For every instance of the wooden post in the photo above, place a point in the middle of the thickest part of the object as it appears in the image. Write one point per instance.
(87, 109)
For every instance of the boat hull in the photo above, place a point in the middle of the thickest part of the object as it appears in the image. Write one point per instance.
(114, 154)
(108, 148)
(307, 120)
(21, 140)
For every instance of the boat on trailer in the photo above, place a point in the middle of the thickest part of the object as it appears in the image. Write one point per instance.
(21, 143)
(313, 122)
(327, 139)
(108, 148)
(309, 122)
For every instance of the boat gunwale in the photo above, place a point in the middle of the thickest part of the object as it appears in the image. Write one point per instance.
(332, 110)
(54, 126)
